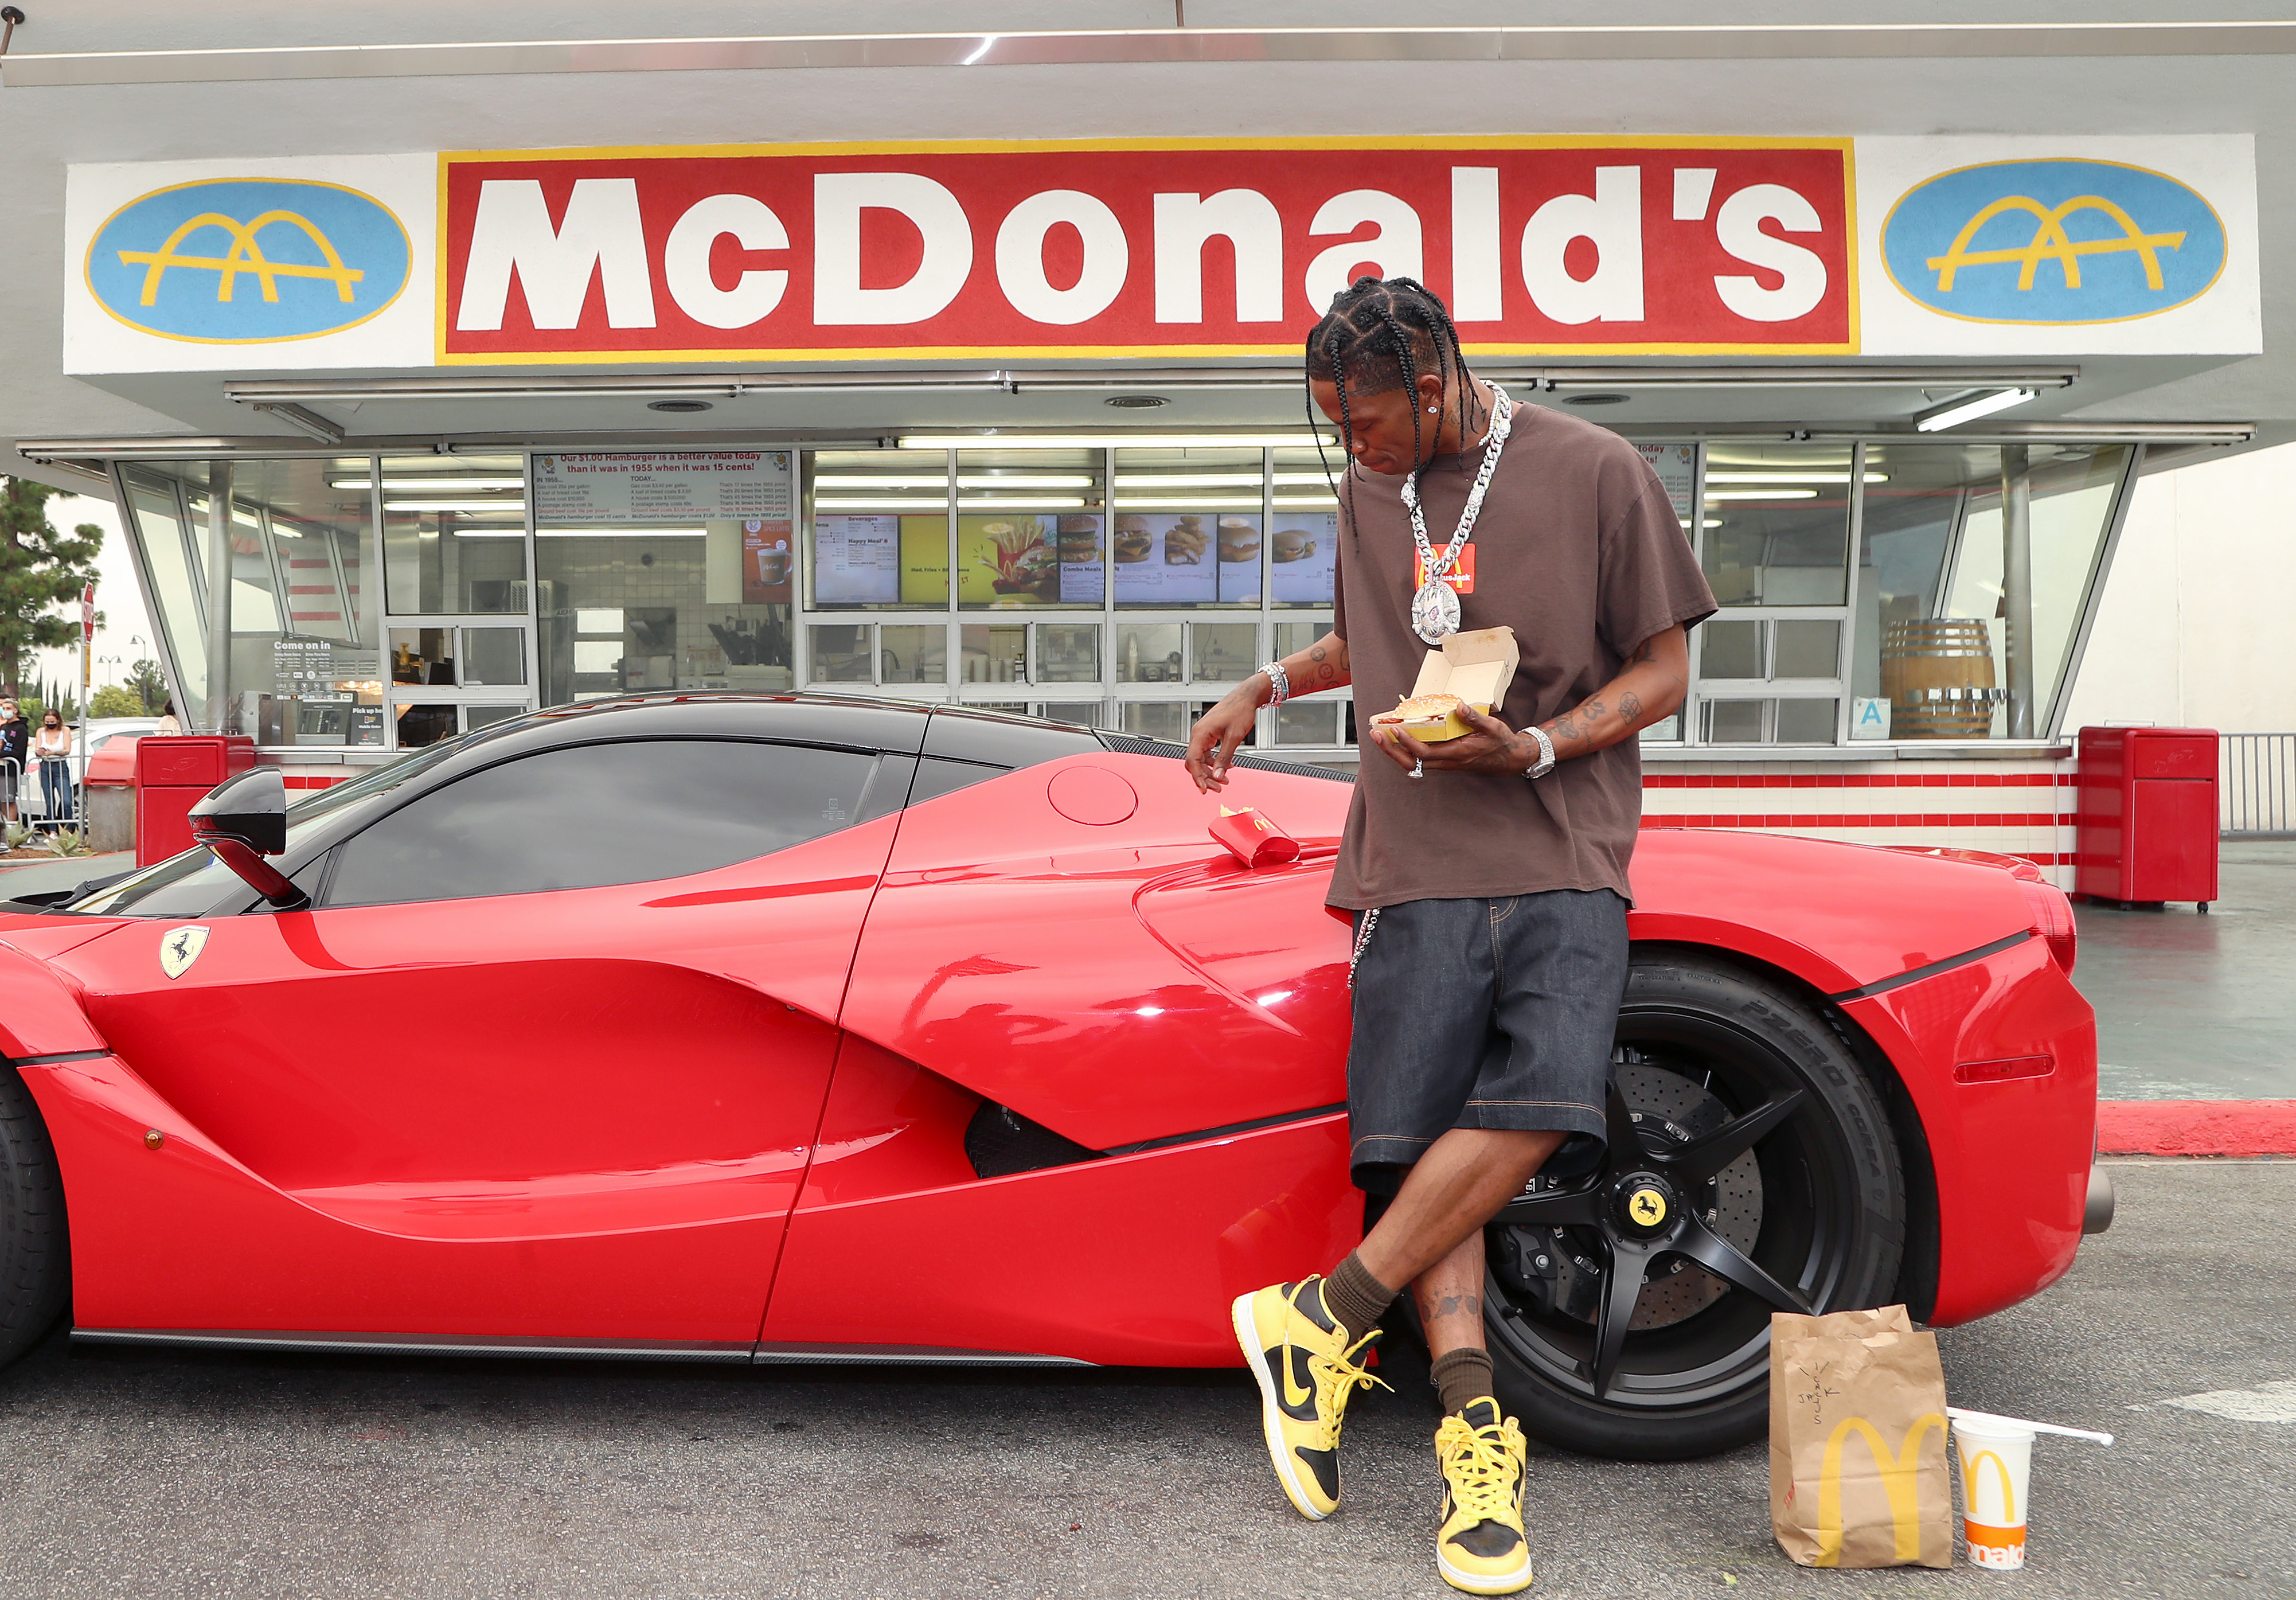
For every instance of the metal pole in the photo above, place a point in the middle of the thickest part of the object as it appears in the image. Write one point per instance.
(2017, 585)
(218, 594)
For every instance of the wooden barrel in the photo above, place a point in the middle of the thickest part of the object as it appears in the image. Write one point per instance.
(1936, 674)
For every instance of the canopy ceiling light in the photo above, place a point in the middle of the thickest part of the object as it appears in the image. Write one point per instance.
(1113, 441)
(1969, 409)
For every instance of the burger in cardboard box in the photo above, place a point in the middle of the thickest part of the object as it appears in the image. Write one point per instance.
(1472, 670)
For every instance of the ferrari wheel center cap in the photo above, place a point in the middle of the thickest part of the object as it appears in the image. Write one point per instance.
(1644, 1204)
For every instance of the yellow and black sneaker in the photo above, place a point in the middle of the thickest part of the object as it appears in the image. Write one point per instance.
(1480, 1547)
(1307, 1372)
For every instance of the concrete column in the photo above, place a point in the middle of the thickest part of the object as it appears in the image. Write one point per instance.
(218, 698)
(2017, 587)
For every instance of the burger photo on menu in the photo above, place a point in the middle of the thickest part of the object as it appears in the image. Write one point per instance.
(1183, 544)
(1080, 538)
(1239, 540)
(1133, 540)
(1293, 545)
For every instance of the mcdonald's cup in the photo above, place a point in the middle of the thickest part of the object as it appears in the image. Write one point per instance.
(1857, 1437)
(1996, 1462)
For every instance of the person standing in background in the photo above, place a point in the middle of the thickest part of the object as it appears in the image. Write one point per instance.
(53, 747)
(168, 723)
(15, 741)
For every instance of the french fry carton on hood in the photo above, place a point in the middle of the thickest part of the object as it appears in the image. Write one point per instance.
(1472, 670)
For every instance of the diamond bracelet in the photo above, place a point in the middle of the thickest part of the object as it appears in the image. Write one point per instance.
(1280, 679)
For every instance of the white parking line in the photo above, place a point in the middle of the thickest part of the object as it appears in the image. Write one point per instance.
(2265, 1403)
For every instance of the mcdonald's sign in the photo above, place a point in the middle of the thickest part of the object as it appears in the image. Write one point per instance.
(247, 260)
(2054, 242)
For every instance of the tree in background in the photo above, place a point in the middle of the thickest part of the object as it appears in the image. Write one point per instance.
(151, 686)
(39, 570)
(112, 700)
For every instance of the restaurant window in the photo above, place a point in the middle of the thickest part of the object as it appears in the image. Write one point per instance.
(879, 530)
(1190, 528)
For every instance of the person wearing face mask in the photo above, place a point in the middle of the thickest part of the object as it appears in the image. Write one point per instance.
(15, 741)
(51, 747)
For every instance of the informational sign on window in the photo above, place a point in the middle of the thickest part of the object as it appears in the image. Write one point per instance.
(856, 560)
(301, 667)
(1677, 466)
(1167, 560)
(1305, 556)
(690, 486)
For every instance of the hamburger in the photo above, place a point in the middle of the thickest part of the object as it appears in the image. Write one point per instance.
(1080, 538)
(1292, 545)
(1430, 718)
(1133, 540)
(1239, 540)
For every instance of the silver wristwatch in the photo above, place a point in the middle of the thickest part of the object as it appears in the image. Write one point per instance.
(1546, 762)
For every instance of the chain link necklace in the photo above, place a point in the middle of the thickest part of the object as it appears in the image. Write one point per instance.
(1435, 607)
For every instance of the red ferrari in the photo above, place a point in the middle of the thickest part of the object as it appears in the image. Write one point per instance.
(800, 1029)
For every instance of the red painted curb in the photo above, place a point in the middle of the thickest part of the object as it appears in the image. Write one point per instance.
(2196, 1127)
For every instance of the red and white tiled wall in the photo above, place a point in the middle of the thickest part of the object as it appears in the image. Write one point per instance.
(2010, 808)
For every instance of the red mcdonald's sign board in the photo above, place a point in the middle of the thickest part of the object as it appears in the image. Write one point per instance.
(1541, 246)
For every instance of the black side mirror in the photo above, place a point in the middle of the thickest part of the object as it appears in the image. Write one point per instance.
(243, 819)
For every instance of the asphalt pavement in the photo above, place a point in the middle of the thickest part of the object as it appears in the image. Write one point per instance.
(213, 1475)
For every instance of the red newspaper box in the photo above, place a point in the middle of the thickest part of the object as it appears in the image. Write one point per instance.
(2148, 815)
(171, 775)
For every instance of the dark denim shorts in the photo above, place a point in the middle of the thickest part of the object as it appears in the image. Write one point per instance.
(1483, 1014)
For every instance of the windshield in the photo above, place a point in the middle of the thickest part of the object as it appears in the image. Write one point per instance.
(192, 883)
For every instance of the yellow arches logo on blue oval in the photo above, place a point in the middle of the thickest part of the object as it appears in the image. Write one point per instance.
(2053, 241)
(248, 261)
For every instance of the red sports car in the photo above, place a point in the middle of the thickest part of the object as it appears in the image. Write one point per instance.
(800, 1029)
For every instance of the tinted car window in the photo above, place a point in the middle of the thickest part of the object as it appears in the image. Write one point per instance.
(598, 813)
(937, 777)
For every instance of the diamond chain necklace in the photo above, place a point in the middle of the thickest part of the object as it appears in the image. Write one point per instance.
(1435, 606)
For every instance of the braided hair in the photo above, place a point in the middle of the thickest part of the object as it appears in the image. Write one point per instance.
(1381, 334)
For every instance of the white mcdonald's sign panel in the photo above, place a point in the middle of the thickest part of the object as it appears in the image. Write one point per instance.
(1542, 247)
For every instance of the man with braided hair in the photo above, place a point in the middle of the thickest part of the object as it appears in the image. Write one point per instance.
(1488, 873)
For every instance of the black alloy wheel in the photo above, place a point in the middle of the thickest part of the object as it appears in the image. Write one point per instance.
(1750, 1169)
(34, 1261)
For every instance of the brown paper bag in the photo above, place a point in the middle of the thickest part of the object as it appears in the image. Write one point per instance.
(1858, 1427)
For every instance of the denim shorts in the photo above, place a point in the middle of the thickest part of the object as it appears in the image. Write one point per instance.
(1483, 1014)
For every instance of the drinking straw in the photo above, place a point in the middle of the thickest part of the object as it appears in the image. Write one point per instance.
(2012, 1421)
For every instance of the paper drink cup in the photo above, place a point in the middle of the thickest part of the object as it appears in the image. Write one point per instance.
(1997, 1464)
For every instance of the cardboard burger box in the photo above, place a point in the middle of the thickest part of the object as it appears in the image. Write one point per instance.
(1473, 669)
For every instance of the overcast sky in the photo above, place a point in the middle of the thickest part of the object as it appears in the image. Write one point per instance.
(116, 598)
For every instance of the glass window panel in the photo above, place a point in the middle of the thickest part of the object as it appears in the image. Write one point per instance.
(937, 777)
(661, 599)
(494, 655)
(841, 654)
(1307, 722)
(1031, 527)
(1776, 523)
(1083, 713)
(1226, 652)
(1730, 650)
(600, 814)
(423, 655)
(1068, 652)
(1733, 721)
(1303, 540)
(176, 585)
(1660, 733)
(421, 724)
(1806, 648)
(995, 654)
(1806, 721)
(913, 654)
(1159, 719)
(1148, 652)
(479, 717)
(1189, 527)
(454, 533)
(1292, 637)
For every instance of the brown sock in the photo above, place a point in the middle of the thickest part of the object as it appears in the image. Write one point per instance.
(1355, 1298)
(1461, 1376)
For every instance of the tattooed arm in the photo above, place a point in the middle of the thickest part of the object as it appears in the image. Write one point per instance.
(1650, 688)
(1212, 742)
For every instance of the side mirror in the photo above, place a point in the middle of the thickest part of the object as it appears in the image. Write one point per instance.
(243, 819)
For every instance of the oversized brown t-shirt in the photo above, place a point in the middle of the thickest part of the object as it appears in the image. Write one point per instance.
(1580, 551)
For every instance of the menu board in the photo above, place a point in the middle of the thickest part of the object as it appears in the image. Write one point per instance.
(766, 561)
(856, 560)
(1240, 542)
(1007, 560)
(1165, 561)
(667, 485)
(1082, 545)
(1677, 466)
(1304, 557)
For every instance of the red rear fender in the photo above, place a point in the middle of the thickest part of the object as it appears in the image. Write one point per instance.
(39, 1013)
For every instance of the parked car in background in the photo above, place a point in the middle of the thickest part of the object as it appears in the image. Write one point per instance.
(100, 732)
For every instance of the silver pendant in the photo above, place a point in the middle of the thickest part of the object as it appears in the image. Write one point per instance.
(1435, 611)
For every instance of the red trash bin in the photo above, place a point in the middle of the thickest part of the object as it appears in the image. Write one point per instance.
(2148, 815)
(171, 775)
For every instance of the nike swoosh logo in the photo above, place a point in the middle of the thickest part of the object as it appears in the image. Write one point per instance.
(1297, 1403)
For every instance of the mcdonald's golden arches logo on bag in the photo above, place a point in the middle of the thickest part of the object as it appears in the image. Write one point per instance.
(248, 261)
(2055, 241)
(1898, 1471)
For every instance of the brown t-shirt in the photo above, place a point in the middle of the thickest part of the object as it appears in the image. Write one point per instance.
(1580, 551)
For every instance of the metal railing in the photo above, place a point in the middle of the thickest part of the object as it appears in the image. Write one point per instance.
(2256, 788)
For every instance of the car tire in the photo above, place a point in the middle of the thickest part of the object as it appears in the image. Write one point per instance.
(34, 1260)
(1815, 1201)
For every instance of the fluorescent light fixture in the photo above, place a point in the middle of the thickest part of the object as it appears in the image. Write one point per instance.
(1734, 477)
(1761, 494)
(490, 533)
(1955, 413)
(1021, 503)
(455, 505)
(876, 502)
(1190, 502)
(439, 485)
(1112, 441)
(1155, 481)
(1306, 502)
(965, 480)
(621, 533)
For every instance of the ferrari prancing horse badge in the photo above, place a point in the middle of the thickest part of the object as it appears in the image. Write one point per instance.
(179, 947)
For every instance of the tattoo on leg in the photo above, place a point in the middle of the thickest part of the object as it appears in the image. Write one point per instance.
(1437, 1308)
